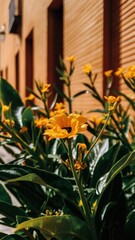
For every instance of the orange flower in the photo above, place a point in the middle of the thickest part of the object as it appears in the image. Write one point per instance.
(45, 88)
(112, 102)
(30, 97)
(82, 146)
(9, 122)
(59, 106)
(108, 73)
(23, 129)
(77, 164)
(71, 59)
(97, 120)
(119, 72)
(112, 99)
(5, 108)
(41, 122)
(65, 126)
(87, 68)
(130, 72)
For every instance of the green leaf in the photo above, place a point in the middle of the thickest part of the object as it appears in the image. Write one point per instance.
(97, 152)
(10, 210)
(23, 192)
(13, 237)
(24, 116)
(31, 91)
(80, 93)
(56, 147)
(62, 64)
(105, 181)
(27, 116)
(132, 103)
(81, 138)
(53, 181)
(4, 196)
(129, 231)
(97, 110)
(59, 185)
(105, 163)
(120, 165)
(62, 94)
(9, 95)
(61, 227)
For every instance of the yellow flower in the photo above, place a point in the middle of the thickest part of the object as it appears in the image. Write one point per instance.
(23, 129)
(30, 97)
(71, 59)
(130, 72)
(82, 146)
(119, 72)
(80, 203)
(58, 112)
(132, 68)
(5, 108)
(45, 88)
(87, 68)
(81, 150)
(9, 122)
(94, 206)
(111, 99)
(108, 73)
(65, 126)
(97, 120)
(79, 165)
(58, 109)
(59, 106)
(41, 122)
(112, 102)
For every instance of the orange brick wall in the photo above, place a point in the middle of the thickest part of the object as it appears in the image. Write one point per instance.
(83, 37)
(34, 16)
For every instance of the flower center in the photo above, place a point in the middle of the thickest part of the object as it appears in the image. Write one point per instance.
(68, 129)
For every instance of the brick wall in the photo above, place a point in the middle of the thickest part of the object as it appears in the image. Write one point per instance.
(83, 37)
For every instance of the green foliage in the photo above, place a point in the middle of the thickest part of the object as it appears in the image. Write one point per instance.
(51, 226)
(71, 187)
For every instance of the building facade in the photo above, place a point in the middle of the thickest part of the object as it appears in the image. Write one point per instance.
(101, 33)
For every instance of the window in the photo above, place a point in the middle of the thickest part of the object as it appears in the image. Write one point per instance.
(17, 71)
(6, 73)
(1, 73)
(29, 62)
(55, 43)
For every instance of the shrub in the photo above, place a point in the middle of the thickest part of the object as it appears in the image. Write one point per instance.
(68, 186)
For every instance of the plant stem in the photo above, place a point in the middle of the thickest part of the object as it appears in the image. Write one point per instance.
(86, 208)
(69, 96)
(99, 135)
(123, 137)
